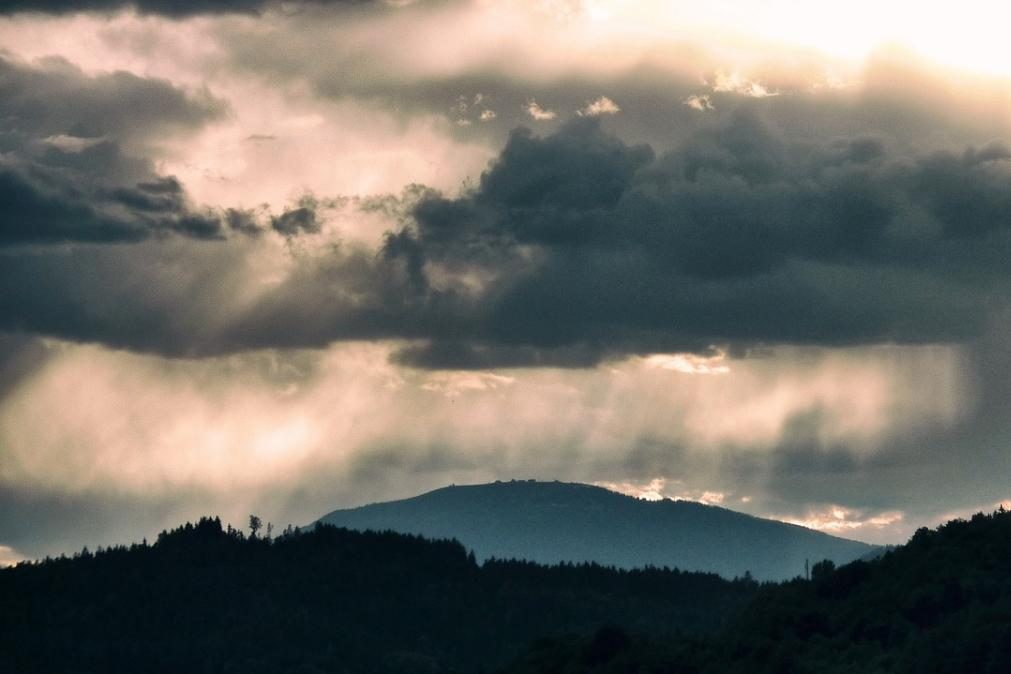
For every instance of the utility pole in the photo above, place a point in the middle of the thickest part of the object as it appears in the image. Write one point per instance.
(807, 569)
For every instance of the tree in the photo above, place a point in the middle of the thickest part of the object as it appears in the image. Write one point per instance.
(822, 570)
(255, 524)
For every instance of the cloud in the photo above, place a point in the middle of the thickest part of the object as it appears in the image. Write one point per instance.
(75, 166)
(538, 113)
(296, 221)
(575, 247)
(157, 440)
(841, 521)
(738, 84)
(801, 219)
(453, 384)
(689, 363)
(598, 107)
(170, 8)
(20, 355)
(700, 102)
(409, 82)
(660, 488)
(623, 284)
(592, 243)
(9, 556)
(55, 101)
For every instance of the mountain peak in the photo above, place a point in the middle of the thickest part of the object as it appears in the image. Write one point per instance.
(552, 522)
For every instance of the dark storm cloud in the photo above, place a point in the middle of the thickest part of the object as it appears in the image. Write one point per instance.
(69, 171)
(20, 356)
(52, 97)
(738, 237)
(576, 247)
(37, 206)
(170, 8)
(296, 221)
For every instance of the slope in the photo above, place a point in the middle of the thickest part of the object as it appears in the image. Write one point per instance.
(550, 522)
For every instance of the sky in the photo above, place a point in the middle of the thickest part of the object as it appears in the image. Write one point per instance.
(284, 257)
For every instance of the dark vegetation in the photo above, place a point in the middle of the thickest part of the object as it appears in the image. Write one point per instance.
(202, 599)
(939, 604)
(206, 600)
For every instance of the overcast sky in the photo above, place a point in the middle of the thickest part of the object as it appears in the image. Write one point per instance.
(284, 257)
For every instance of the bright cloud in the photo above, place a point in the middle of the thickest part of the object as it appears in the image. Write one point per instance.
(660, 488)
(846, 521)
(9, 556)
(738, 84)
(601, 106)
(700, 102)
(688, 363)
(538, 113)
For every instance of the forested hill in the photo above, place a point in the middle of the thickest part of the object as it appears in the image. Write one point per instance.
(550, 522)
(206, 600)
(941, 604)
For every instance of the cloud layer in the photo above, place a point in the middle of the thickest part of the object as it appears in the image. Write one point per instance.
(737, 238)
(572, 248)
(74, 166)
(170, 8)
(290, 256)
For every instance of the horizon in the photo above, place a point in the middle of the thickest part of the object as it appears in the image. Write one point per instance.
(288, 257)
(648, 497)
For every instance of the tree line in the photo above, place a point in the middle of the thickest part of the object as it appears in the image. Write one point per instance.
(207, 598)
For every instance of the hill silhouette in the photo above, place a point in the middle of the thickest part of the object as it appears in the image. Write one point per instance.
(941, 604)
(550, 522)
(207, 599)
(211, 600)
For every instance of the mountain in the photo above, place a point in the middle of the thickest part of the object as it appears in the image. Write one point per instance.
(204, 599)
(940, 604)
(550, 522)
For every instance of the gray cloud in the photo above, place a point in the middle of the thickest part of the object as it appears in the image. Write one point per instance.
(296, 221)
(738, 237)
(20, 356)
(169, 8)
(576, 247)
(891, 93)
(74, 167)
(52, 97)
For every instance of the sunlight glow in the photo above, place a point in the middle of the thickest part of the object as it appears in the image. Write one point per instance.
(688, 363)
(837, 519)
(971, 37)
(660, 488)
(9, 556)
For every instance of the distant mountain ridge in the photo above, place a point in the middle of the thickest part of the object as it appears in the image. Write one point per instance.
(550, 522)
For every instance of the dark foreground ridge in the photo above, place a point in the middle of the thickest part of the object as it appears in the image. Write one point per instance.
(941, 604)
(206, 600)
(551, 522)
